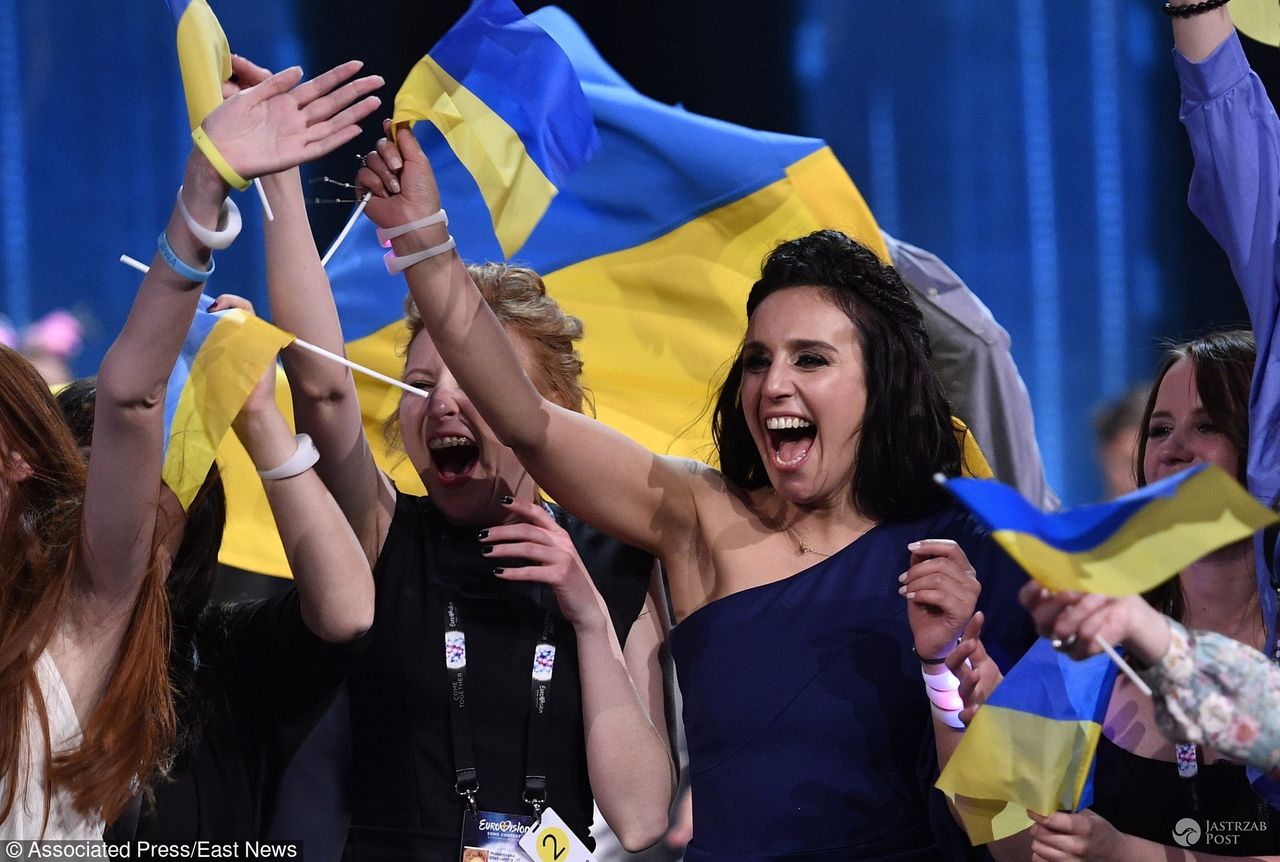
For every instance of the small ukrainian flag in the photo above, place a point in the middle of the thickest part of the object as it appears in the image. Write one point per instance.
(222, 359)
(1124, 546)
(1031, 746)
(508, 101)
(203, 55)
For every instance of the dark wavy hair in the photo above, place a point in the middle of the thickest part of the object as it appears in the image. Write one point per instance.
(907, 432)
(190, 580)
(1223, 365)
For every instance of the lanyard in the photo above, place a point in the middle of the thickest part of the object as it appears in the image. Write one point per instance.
(466, 777)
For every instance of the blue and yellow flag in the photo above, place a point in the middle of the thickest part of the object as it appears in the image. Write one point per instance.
(507, 100)
(1124, 546)
(223, 357)
(1032, 745)
(203, 55)
(653, 243)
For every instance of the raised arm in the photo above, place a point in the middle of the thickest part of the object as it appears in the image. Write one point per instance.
(334, 579)
(612, 482)
(324, 393)
(265, 128)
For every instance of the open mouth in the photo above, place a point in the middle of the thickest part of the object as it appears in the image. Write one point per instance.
(454, 458)
(790, 439)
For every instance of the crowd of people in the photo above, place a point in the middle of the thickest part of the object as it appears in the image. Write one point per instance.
(838, 620)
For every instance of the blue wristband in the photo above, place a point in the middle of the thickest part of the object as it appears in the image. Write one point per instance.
(200, 276)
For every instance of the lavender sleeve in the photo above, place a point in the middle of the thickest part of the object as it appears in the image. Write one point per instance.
(1235, 192)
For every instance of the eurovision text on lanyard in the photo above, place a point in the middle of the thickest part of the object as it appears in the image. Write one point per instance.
(466, 777)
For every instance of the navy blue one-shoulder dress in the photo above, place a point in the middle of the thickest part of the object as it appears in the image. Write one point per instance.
(809, 731)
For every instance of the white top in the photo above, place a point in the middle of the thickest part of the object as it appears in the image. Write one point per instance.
(26, 820)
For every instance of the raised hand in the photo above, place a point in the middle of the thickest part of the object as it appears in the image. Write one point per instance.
(279, 123)
(942, 590)
(978, 673)
(554, 561)
(400, 178)
(1077, 621)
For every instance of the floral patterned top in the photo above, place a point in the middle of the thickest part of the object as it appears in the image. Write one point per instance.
(1215, 691)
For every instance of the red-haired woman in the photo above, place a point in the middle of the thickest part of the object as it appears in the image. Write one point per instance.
(86, 712)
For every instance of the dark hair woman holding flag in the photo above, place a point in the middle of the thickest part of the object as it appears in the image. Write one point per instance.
(803, 572)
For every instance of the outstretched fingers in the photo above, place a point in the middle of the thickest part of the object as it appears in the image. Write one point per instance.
(325, 83)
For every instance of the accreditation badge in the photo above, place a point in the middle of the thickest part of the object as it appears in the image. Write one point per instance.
(553, 841)
(491, 836)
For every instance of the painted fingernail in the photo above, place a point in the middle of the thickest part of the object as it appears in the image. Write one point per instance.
(910, 595)
(914, 546)
(506, 501)
(902, 578)
(394, 186)
(483, 534)
(486, 549)
(902, 591)
(499, 571)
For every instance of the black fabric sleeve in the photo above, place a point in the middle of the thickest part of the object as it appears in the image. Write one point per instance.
(284, 676)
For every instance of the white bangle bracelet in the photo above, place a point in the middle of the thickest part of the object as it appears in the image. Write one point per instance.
(949, 717)
(386, 235)
(229, 224)
(397, 265)
(302, 460)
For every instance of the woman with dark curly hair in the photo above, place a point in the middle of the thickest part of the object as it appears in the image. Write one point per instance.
(803, 571)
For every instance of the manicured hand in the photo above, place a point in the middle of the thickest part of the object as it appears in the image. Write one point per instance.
(1079, 620)
(279, 123)
(942, 590)
(554, 561)
(400, 177)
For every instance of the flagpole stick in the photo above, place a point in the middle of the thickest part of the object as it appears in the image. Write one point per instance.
(342, 360)
(262, 196)
(346, 229)
(134, 263)
(1123, 665)
(319, 351)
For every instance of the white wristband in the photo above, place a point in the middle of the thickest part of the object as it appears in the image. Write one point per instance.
(945, 681)
(397, 265)
(949, 717)
(386, 235)
(302, 460)
(228, 229)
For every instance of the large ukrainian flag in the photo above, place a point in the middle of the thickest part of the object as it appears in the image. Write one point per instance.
(1031, 746)
(654, 243)
(1124, 546)
(203, 55)
(223, 357)
(507, 100)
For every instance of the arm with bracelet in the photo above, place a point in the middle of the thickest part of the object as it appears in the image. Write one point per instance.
(275, 124)
(334, 579)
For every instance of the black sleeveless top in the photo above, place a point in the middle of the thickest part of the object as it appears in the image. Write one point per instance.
(401, 792)
(1147, 798)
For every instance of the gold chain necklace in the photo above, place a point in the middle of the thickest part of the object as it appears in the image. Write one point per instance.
(803, 547)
